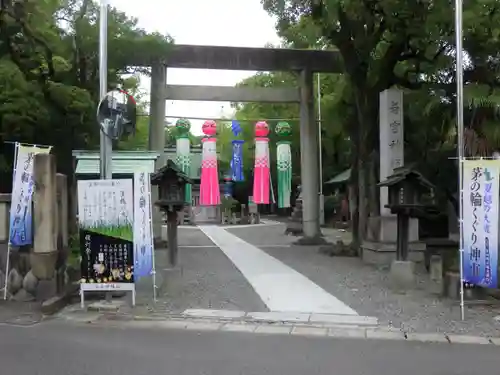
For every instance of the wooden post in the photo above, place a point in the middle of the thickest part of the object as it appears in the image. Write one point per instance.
(62, 211)
(403, 224)
(62, 230)
(173, 249)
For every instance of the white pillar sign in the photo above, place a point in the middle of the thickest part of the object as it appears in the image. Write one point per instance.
(391, 139)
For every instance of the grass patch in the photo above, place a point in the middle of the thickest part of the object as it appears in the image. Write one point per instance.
(124, 232)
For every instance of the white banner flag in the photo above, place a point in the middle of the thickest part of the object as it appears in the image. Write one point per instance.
(143, 239)
(21, 231)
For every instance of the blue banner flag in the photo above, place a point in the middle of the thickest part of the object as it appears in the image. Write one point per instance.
(236, 127)
(480, 222)
(21, 231)
(237, 161)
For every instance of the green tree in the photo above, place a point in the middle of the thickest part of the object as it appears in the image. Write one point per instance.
(249, 113)
(49, 79)
(382, 44)
(335, 143)
(140, 140)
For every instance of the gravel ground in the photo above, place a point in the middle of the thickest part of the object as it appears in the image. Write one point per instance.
(274, 235)
(205, 279)
(264, 235)
(193, 237)
(367, 289)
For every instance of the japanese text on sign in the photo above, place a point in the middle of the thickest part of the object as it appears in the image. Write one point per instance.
(481, 222)
(20, 232)
(396, 146)
(143, 238)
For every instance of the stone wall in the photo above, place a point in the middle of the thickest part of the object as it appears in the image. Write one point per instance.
(39, 272)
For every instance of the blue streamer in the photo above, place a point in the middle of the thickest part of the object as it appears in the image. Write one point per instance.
(237, 161)
(235, 127)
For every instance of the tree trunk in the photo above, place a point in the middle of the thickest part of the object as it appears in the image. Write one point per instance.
(354, 206)
(354, 201)
(373, 196)
(366, 105)
(362, 199)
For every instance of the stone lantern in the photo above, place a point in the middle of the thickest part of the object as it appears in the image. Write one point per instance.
(171, 182)
(406, 189)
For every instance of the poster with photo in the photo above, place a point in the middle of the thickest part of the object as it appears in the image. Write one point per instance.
(105, 216)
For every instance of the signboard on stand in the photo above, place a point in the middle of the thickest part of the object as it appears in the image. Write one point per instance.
(105, 216)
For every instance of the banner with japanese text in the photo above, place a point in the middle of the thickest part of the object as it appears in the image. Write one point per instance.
(105, 218)
(480, 222)
(237, 160)
(20, 228)
(143, 238)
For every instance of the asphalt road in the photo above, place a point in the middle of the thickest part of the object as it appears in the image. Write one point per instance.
(62, 349)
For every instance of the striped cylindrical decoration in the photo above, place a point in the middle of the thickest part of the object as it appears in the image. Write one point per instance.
(183, 160)
(284, 161)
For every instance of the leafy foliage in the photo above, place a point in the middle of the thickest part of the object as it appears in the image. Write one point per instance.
(49, 78)
(404, 44)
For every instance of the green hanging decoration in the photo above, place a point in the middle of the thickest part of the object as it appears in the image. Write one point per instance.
(183, 153)
(284, 164)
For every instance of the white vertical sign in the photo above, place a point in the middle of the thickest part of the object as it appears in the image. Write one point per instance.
(143, 238)
(391, 138)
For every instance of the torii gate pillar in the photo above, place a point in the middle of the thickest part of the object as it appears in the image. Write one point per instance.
(157, 134)
(309, 162)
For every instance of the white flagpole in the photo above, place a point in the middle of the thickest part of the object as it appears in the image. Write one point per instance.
(273, 198)
(7, 260)
(460, 140)
(6, 271)
(153, 272)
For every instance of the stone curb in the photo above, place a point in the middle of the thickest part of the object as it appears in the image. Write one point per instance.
(283, 317)
(200, 324)
(308, 331)
(332, 331)
(55, 304)
(113, 312)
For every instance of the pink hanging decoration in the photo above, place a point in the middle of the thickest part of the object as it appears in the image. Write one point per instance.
(209, 188)
(261, 167)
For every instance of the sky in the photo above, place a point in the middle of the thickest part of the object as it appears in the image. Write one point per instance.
(238, 23)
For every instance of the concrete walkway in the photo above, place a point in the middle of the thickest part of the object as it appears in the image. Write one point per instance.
(280, 287)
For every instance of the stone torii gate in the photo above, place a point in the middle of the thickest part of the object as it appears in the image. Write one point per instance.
(304, 62)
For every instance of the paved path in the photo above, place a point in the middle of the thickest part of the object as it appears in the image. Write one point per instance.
(209, 279)
(368, 289)
(19, 313)
(204, 279)
(280, 287)
(56, 349)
